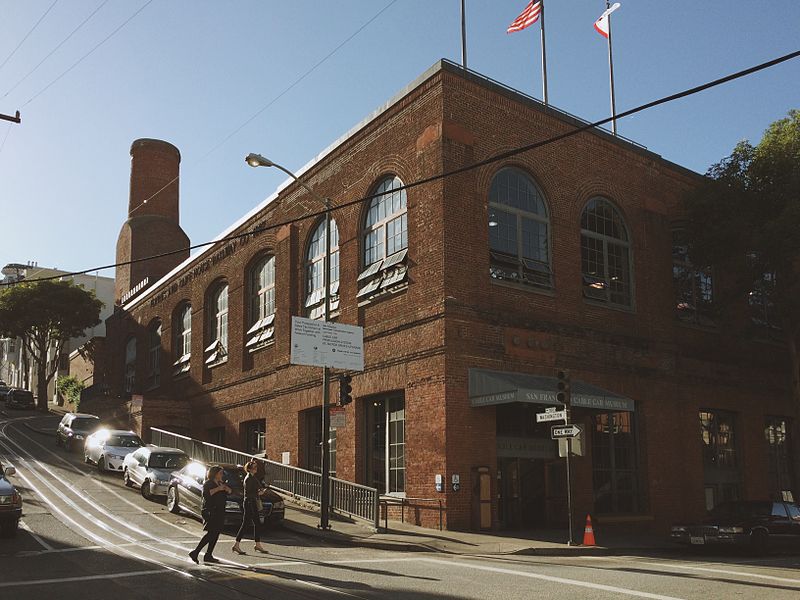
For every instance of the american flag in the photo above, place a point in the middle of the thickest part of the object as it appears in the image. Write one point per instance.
(527, 17)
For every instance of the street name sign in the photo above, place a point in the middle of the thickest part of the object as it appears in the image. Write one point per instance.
(324, 344)
(558, 432)
(551, 415)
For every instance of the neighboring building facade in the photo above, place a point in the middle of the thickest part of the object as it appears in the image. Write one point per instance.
(17, 368)
(472, 290)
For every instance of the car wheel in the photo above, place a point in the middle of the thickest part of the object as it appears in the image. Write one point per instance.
(101, 464)
(172, 501)
(759, 542)
(146, 489)
(127, 478)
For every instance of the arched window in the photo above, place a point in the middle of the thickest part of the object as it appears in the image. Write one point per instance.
(262, 303)
(154, 354)
(182, 326)
(385, 240)
(605, 254)
(130, 364)
(217, 308)
(315, 271)
(519, 244)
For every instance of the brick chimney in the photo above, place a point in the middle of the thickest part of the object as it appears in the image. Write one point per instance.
(153, 225)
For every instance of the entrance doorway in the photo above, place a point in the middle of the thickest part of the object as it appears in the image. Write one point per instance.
(522, 498)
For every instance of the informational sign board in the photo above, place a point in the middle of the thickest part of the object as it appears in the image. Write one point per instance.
(324, 344)
(551, 415)
(338, 417)
(564, 431)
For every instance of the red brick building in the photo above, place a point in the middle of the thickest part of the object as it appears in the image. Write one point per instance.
(472, 290)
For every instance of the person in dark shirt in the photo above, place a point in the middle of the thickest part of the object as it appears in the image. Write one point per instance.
(253, 489)
(215, 495)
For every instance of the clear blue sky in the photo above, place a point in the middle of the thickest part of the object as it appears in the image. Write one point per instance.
(192, 72)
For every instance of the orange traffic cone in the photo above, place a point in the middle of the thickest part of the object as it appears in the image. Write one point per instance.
(588, 532)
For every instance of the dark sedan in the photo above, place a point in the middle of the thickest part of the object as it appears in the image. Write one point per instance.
(755, 524)
(22, 399)
(186, 490)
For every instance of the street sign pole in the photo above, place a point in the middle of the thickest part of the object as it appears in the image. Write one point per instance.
(324, 495)
(569, 486)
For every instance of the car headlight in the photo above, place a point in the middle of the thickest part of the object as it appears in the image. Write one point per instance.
(231, 505)
(678, 529)
(78, 436)
(731, 529)
(116, 456)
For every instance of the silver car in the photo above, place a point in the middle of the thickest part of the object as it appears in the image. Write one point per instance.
(107, 448)
(151, 469)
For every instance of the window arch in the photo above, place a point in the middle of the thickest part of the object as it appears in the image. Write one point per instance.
(315, 271)
(605, 254)
(385, 238)
(261, 289)
(519, 230)
(130, 364)
(154, 354)
(182, 344)
(217, 310)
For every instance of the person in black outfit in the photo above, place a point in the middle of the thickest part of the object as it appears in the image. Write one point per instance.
(215, 495)
(253, 488)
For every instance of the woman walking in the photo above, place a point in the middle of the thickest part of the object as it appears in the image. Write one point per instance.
(215, 495)
(253, 488)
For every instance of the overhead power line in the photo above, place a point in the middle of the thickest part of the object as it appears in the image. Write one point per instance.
(27, 35)
(443, 175)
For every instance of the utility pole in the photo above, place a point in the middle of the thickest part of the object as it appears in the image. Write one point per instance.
(14, 119)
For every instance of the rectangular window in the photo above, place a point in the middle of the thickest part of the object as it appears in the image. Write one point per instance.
(313, 453)
(720, 460)
(386, 444)
(780, 468)
(614, 463)
(255, 436)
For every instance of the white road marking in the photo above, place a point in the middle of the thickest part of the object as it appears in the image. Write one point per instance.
(82, 578)
(725, 572)
(575, 582)
(329, 589)
(41, 542)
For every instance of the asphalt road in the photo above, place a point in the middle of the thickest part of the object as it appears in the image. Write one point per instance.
(87, 536)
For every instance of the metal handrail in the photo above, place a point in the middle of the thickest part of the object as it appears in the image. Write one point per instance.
(403, 501)
(352, 499)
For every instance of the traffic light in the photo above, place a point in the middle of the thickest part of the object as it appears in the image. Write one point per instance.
(345, 389)
(563, 394)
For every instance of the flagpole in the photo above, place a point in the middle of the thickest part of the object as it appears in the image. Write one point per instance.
(544, 59)
(463, 35)
(611, 75)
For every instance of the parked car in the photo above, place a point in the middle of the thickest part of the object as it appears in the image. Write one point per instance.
(756, 524)
(10, 502)
(3, 389)
(22, 399)
(107, 448)
(151, 469)
(186, 494)
(75, 428)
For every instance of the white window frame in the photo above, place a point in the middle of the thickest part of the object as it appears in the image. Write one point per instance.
(604, 282)
(262, 304)
(315, 271)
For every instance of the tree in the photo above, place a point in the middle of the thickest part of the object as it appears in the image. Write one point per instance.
(45, 314)
(745, 221)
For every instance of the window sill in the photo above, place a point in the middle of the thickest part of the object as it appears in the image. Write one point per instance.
(609, 305)
(536, 289)
(384, 294)
(262, 346)
(217, 363)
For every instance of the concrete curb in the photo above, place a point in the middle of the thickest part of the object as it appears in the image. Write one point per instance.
(398, 546)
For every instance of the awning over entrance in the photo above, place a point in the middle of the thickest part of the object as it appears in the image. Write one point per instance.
(497, 387)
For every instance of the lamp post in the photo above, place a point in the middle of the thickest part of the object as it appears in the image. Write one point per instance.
(256, 160)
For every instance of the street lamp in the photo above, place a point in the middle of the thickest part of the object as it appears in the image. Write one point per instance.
(256, 160)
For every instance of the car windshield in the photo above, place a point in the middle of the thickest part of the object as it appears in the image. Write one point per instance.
(84, 424)
(124, 441)
(739, 510)
(167, 461)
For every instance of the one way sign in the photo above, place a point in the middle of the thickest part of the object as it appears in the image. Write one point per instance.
(564, 431)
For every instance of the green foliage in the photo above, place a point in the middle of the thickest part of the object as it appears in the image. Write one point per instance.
(745, 219)
(70, 389)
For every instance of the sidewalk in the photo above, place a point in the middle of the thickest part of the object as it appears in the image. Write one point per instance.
(403, 537)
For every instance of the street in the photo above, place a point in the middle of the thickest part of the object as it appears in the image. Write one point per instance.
(84, 535)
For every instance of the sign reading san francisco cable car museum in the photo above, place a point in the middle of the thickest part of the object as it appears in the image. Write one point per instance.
(324, 344)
